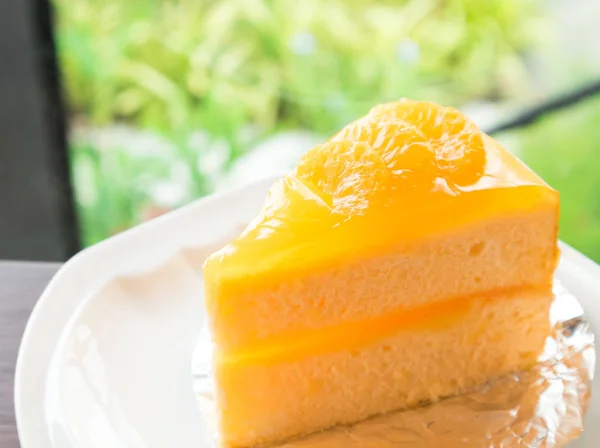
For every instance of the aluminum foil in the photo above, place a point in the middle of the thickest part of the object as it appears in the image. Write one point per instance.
(541, 408)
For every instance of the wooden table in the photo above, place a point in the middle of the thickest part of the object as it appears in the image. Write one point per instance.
(20, 286)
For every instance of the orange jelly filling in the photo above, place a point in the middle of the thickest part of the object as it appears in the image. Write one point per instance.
(292, 347)
(352, 334)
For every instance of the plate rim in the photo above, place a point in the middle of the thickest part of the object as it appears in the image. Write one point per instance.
(32, 337)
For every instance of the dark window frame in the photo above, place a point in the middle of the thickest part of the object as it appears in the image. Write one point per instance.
(37, 213)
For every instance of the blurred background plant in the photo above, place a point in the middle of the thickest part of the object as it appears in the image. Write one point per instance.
(563, 149)
(171, 99)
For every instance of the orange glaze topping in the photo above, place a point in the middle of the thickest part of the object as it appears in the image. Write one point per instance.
(405, 171)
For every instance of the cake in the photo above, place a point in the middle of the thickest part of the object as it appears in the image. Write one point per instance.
(408, 258)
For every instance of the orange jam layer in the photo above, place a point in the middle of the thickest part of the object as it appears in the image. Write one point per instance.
(356, 335)
(405, 171)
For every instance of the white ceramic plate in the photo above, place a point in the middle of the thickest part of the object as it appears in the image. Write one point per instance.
(105, 359)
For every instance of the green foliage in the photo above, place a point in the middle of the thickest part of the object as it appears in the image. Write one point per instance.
(160, 63)
(112, 192)
(563, 150)
(175, 66)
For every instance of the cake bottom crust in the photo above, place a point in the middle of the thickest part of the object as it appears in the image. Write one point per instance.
(262, 404)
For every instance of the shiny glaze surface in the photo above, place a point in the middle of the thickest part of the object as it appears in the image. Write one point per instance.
(404, 171)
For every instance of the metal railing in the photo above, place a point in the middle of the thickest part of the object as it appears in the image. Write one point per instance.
(539, 111)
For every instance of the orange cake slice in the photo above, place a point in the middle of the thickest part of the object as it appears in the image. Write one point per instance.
(406, 259)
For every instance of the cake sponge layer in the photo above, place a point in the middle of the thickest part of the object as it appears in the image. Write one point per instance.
(270, 403)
